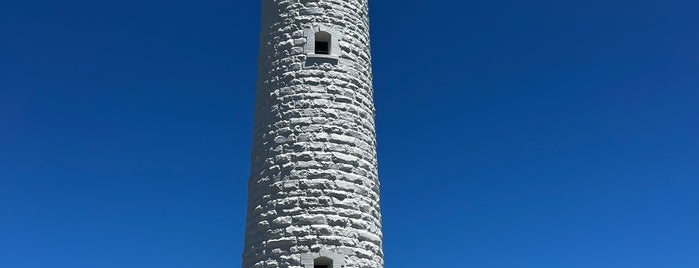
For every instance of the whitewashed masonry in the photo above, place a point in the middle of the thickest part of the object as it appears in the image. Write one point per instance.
(313, 190)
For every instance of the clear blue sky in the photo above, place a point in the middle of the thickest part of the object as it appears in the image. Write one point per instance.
(528, 134)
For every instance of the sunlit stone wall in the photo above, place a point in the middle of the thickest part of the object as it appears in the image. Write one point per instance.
(314, 189)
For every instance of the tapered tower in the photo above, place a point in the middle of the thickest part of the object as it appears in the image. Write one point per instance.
(313, 190)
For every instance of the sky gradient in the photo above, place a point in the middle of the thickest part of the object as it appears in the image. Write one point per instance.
(528, 134)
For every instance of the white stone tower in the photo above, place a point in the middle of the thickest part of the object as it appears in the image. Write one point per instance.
(314, 191)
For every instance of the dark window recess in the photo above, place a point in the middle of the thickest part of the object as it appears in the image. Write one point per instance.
(322, 48)
(322, 262)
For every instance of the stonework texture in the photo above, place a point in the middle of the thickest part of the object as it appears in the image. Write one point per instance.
(314, 186)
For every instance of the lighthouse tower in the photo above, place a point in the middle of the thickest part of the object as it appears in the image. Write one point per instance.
(313, 190)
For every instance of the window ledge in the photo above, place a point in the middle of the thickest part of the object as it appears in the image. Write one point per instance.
(323, 56)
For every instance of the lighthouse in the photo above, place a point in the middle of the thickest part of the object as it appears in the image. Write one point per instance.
(313, 191)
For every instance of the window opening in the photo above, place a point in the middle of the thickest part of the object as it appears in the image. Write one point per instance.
(323, 262)
(322, 47)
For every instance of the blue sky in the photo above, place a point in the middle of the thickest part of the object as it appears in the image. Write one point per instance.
(528, 134)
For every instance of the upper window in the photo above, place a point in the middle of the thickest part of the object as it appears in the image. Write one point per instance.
(322, 259)
(322, 46)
